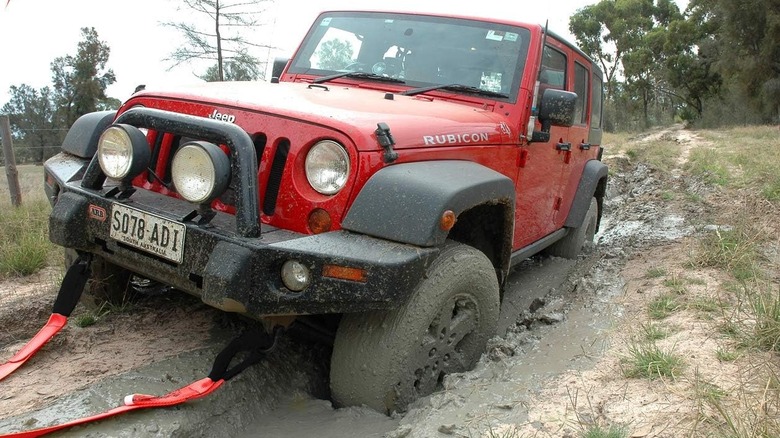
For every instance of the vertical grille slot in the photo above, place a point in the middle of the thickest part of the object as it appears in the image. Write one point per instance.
(157, 145)
(275, 176)
(259, 141)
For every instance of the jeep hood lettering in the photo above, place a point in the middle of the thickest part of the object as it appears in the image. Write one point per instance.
(415, 122)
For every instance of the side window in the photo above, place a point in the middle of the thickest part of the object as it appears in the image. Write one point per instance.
(581, 88)
(553, 74)
(597, 99)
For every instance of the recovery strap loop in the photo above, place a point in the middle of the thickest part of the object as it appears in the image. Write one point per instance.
(254, 342)
(193, 391)
(67, 298)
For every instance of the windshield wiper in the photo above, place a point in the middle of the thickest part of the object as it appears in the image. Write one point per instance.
(358, 74)
(454, 87)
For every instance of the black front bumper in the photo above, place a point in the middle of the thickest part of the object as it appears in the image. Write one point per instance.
(230, 271)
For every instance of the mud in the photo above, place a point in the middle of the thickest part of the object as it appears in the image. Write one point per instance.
(555, 317)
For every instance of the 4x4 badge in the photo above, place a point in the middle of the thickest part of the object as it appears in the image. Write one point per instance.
(97, 213)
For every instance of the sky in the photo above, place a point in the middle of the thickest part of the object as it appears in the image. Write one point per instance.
(34, 32)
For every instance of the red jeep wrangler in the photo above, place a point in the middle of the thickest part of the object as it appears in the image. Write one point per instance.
(385, 182)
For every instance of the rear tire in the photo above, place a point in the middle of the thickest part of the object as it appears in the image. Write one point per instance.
(107, 284)
(578, 239)
(387, 359)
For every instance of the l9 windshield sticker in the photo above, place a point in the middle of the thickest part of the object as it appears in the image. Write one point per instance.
(510, 36)
(495, 35)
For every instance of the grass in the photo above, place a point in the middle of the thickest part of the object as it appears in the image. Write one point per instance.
(708, 165)
(611, 431)
(726, 354)
(653, 332)
(704, 304)
(708, 391)
(750, 412)
(647, 360)
(676, 284)
(764, 308)
(660, 154)
(24, 242)
(655, 272)
(745, 164)
(735, 251)
(663, 306)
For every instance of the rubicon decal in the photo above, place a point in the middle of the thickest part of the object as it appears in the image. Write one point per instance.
(475, 137)
(97, 213)
(225, 117)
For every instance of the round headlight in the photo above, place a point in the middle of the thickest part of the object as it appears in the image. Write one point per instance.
(327, 167)
(123, 151)
(200, 171)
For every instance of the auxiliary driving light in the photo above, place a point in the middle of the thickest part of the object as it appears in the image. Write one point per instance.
(295, 275)
(123, 152)
(200, 171)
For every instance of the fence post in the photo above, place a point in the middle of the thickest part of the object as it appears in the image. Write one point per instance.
(10, 162)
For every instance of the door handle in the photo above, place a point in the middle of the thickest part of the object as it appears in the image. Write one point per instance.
(585, 146)
(563, 146)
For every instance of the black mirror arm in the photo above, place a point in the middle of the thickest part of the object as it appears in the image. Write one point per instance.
(542, 136)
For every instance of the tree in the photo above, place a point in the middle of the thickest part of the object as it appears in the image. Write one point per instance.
(40, 118)
(31, 114)
(334, 54)
(80, 81)
(745, 36)
(609, 30)
(689, 65)
(241, 68)
(222, 40)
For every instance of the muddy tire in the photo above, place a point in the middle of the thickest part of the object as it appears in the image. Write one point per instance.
(387, 359)
(578, 239)
(108, 283)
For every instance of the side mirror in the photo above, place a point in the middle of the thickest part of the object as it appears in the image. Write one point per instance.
(557, 108)
(278, 68)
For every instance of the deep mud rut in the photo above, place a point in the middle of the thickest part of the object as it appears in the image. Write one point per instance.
(557, 316)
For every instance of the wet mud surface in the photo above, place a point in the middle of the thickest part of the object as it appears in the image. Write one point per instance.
(553, 318)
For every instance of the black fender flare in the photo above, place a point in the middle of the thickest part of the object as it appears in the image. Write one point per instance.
(82, 137)
(592, 183)
(405, 202)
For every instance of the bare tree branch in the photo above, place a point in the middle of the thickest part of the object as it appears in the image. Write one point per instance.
(220, 40)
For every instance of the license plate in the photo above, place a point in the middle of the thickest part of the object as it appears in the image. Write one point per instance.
(153, 234)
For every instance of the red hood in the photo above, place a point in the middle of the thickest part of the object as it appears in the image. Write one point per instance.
(414, 121)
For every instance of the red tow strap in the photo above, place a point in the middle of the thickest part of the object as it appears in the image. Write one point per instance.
(71, 288)
(53, 326)
(193, 391)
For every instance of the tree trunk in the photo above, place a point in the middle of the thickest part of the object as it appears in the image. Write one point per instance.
(220, 73)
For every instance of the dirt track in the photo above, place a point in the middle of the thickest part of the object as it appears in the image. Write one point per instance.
(557, 318)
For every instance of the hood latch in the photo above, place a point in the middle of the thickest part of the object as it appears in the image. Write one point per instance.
(386, 140)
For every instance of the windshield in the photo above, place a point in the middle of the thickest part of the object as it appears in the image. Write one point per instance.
(419, 50)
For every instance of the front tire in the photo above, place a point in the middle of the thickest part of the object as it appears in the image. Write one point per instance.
(387, 359)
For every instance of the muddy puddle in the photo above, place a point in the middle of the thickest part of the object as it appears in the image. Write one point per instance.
(555, 317)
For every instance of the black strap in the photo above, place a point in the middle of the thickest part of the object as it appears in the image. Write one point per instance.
(256, 342)
(72, 285)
